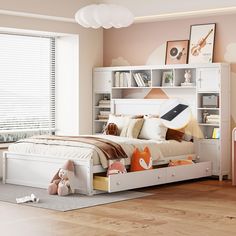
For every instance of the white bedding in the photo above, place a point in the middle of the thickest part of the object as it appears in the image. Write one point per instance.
(75, 150)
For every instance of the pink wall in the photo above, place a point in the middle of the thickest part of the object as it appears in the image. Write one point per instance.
(142, 44)
(136, 43)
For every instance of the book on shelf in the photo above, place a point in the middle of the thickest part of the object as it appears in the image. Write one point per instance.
(122, 78)
(103, 117)
(213, 119)
(141, 79)
(216, 133)
(117, 79)
(128, 78)
(104, 113)
(137, 80)
(104, 103)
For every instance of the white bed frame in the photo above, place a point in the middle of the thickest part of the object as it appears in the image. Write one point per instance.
(37, 171)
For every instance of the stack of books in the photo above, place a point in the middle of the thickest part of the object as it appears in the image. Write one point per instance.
(104, 115)
(213, 119)
(141, 80)
(122, 79)
(104, 103)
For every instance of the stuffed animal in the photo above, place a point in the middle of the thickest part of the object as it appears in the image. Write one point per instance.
(181, 162)
(61, 183)
(116, 167)
(111, 129)
(141, 160)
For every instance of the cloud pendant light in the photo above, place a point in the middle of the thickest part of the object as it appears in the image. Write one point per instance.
(104, 15)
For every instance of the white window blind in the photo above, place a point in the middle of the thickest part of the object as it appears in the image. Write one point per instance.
(27, 84)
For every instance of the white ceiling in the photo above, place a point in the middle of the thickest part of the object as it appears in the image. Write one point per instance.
(143, 10)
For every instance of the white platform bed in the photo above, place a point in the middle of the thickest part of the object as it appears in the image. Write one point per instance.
(34, 166)
(37, 168)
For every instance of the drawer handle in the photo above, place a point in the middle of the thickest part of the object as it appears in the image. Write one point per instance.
(158, 177)
(173, 174)
(117, 183)
(207, 169)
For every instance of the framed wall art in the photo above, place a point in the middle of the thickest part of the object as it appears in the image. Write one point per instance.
(167, 79)
(176, 52)
(201, 46)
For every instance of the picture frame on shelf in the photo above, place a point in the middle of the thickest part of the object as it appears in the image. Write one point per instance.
(201, 45)
(177, 52)
(167, 79)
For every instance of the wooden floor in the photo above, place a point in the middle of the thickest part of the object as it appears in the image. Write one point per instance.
(198, 208)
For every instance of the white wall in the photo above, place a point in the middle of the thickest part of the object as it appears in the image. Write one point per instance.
(67, 85)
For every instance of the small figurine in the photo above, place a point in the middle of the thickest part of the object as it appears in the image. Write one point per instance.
(204, 116)
(187, 76)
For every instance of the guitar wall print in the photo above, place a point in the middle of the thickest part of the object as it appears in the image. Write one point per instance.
(202, 43)
(196, 49)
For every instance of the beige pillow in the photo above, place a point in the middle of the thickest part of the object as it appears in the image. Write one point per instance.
(133, 128)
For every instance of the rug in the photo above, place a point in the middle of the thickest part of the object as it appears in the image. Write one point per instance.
(9, 193)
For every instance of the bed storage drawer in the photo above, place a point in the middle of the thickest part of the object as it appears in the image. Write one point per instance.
(198, 170)
(131, 180)
(140, 179)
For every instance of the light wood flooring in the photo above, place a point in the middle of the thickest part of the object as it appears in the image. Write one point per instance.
(197, 208)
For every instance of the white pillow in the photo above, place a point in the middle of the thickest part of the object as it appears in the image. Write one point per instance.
(153, 129)
(120, 120)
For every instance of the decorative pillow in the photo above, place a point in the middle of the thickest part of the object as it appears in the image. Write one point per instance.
(172, 134)
(133, 128)
(111, 129)
(116, 167)
(153, 129)
(120, 120)
(141, 160)
(180, 162)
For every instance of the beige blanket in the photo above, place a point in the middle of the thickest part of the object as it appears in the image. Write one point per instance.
(83, 151)
(110, 149)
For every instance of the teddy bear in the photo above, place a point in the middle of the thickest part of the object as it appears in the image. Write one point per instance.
(61, 182)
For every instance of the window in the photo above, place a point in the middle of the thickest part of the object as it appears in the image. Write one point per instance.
(27, 86)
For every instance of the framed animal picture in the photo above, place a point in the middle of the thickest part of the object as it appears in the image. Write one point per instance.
(201, 46)
(176, 52)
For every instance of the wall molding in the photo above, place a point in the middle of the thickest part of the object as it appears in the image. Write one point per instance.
(37, 16)
(187, 14)
(139, 19)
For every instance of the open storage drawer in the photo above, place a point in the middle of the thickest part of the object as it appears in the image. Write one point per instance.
(140, 179)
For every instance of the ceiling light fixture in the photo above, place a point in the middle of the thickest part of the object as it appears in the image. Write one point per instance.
(104, 15)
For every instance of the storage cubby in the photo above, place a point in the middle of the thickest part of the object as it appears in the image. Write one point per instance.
(141, 78)
(101, 111)
(122, 79)
(179, 77)
(208, 100)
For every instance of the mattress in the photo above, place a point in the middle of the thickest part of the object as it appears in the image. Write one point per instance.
(74, 150)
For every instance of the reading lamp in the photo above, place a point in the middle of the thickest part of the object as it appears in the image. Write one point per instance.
(104, 15)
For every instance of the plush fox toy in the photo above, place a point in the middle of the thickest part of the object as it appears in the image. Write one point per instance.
(141, 160)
